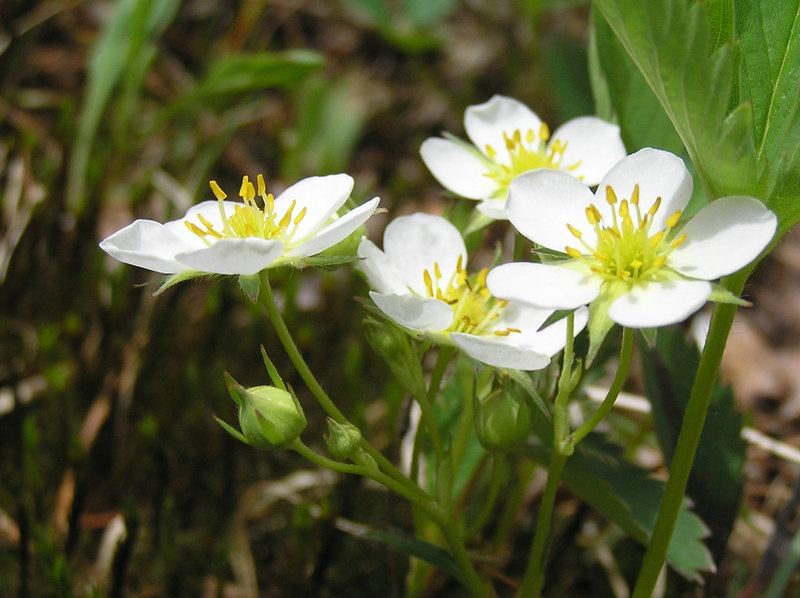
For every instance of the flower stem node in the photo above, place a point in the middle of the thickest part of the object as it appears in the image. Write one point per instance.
(343, 440)
(269, 417)
(502, 421)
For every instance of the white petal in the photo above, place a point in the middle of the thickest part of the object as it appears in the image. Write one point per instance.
(499, 353)
(593, 143)
(336, 231)
(659, 174)
(456, 168)
(233, 256)
(653, 304)
(723, 237)
(493, 208)
(543, 285)
(147, 244)
(485, 123)
(320, 195)
(379, 270)
(415, 243)
(416, 313)
(542, 202)
(528, 320)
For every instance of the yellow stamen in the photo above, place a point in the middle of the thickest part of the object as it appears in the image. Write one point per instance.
(611, 197)
(215, 189)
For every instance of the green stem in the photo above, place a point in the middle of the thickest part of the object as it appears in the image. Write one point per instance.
(426, 401)
(267, 300)
(534, 573)
(498, 469)
(691, 429)
(616, 386)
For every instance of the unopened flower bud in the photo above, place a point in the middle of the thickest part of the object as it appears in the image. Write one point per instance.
(502, 421)
(343, 440)
(269, 417)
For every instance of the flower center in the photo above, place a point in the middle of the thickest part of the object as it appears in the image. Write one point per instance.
(474, 307)
(248, 220)
(525, 154)
(625, 249)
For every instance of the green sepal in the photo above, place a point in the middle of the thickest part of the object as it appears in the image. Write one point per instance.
(232, 431)
(556, 316)
(272, 370)
(650, 335)
(477, 221)
(720, 294)
(599, 323)
(393, 344)
(251, 285)
(174, 279)
(328, 262)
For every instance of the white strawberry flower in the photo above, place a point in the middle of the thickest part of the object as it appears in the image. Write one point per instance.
(421, 283)
(226, 237)
(508, 138)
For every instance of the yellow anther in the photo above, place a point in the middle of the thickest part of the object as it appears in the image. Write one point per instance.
(270, 204)
(461, 278)
(439, 295)
(287, 217)
(673, 220)
(636, 264)
(544, 132)
(490, 151)
(623, 209)
(592, 215)
(300, 216)
(573, 253)
(247, 191)
(517, 137)
(216, 190)
(660, 261)
(678, 241)
(426, 276)
(530, 137)
(502, 332)
(654, 208)
(625, 274)
(460, 263)
(517, 330)
(436, 271)
(481, 279)
(575, 166)
(509, 142)
(575, 232)
(484, 293)
(611, 197)
(262, 186)
(656, 239)
(635, 195)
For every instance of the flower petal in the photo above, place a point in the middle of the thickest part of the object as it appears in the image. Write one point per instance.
(499, 353)
(653, 304)
(486, 123)
(542, 202)
(415, 243)
(723, 237)
(592, 143)
(422, 314)
(320, 195)
(336, 231)
(493, 208)
(456, 168)
(659, 174)
(233, 256)
(147, 244)
(379, 270)
(543, 285)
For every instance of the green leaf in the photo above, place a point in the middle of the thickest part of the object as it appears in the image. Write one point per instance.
(715, 484)
(127, 38)
(626, 494)
(674, 47)
(238, 73)
(430, 553)
(770, 78)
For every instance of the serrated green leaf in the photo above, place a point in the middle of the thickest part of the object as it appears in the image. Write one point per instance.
(674, 48)
(626, 494)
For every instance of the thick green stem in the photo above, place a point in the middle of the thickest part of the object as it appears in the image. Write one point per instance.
(693, 420)
(426, 401)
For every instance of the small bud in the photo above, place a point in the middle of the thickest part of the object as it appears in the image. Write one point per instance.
(343, 439)
(269, 417)
(502, 421)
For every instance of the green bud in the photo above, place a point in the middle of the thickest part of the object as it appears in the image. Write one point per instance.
(269, 417)
(343, 440)
(502, 420)
(394, 346)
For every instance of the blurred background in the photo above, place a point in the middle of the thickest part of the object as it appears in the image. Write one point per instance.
(115, 480)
